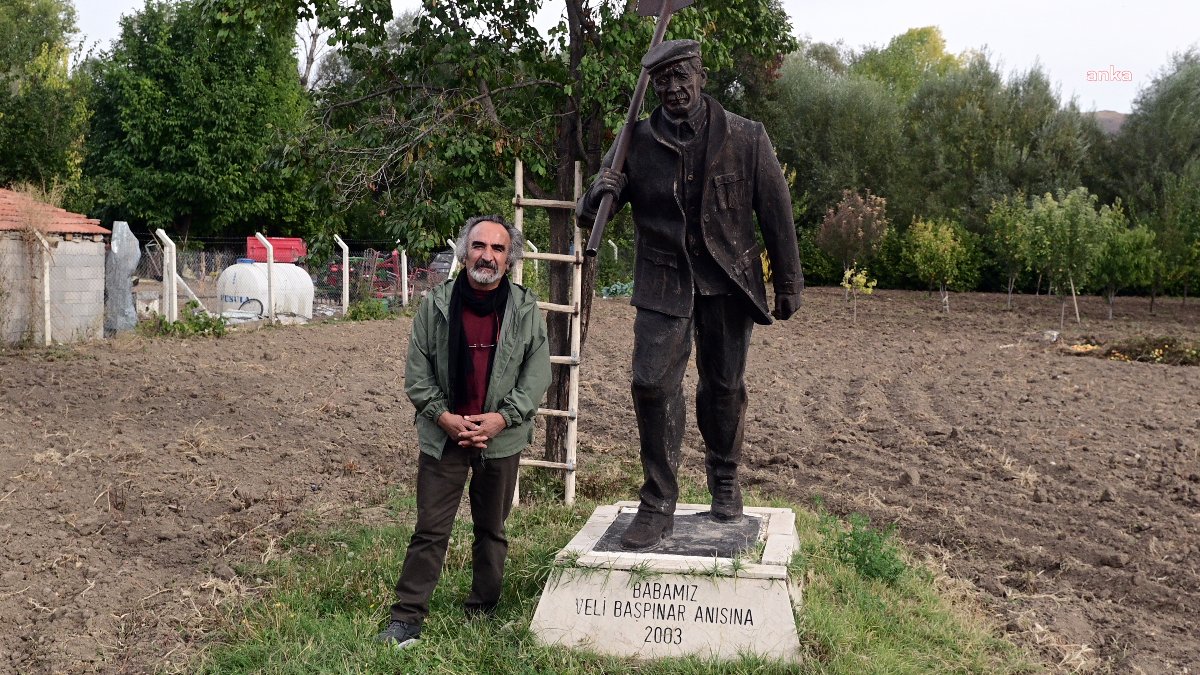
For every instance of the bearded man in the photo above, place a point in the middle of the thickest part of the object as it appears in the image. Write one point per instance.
(478, 366)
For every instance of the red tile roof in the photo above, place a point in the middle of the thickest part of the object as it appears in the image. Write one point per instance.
(15, 209)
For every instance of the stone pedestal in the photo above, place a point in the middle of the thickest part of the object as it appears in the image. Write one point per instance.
(711, 590)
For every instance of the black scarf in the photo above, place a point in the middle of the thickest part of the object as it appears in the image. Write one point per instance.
(461, 365)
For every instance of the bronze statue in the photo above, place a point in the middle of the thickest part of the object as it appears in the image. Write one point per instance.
(696, 178)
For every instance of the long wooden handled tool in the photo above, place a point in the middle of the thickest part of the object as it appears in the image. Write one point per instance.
(663, 10)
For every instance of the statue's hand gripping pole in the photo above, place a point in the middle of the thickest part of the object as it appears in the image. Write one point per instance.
(663, 10)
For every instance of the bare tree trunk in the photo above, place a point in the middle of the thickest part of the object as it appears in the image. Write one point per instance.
(312, 39)
(1074, 299)
(1154, 291)
(1012, 280)
(945, 298)
(1112, 296)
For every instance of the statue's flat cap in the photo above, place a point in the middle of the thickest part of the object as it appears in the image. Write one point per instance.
(670, 51)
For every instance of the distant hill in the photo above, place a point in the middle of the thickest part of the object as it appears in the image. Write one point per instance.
(1110, 122)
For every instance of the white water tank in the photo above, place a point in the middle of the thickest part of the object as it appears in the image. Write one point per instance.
(244, 287)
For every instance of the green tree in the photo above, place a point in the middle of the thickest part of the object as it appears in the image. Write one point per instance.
(1009, 233)
(833, 130)
(1042, 144)
(188, 112)
(1072, 236)
(939, 253)
(1177, 225)
(1035, 245)
(1154, 165)
(973, 138)
(909, 58)
(43, 110)
(1161, 137)
(1125, 257)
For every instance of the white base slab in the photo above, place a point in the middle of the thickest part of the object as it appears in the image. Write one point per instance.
(652, 605)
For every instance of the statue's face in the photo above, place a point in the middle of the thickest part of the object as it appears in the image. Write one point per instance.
(678, 86)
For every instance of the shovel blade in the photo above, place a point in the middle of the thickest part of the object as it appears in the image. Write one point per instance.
(654, 7)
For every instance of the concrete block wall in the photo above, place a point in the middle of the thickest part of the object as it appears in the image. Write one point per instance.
(76, 289)
(16, 282)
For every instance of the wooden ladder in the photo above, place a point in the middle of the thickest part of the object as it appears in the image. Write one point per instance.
(573, 307)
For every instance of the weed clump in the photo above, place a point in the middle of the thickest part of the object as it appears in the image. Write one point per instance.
(871, 552)
(1169, 350)
(369, 309)
(193, 322)
(1143, 349)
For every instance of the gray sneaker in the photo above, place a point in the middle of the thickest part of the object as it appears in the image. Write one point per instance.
(399, 634)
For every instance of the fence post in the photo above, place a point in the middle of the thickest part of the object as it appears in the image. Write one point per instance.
(170, 290)
(345, 274)
(45, 287)
(453, 258)
(404, 277)
(270, 274)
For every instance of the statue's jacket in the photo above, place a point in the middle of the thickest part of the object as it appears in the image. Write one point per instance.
(743, 180)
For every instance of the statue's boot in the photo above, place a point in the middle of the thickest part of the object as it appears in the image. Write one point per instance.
(722, 421)
(647, 529)
(726, 497)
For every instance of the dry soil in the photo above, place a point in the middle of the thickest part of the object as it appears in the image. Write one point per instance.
(135, 473)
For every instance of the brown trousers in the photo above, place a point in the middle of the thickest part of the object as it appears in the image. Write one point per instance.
(439, 489)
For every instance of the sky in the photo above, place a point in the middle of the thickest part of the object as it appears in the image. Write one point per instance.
(1068, 38)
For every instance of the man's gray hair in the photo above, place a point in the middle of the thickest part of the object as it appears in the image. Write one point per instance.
(516, 248)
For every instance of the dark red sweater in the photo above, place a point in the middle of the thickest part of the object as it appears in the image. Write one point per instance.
(480, 332)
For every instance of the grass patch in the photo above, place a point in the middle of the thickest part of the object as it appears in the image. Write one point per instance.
(331, 588)
(867, 610)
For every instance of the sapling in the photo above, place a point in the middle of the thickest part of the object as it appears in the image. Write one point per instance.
(856, 281)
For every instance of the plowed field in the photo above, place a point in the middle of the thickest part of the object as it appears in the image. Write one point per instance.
(134, 472)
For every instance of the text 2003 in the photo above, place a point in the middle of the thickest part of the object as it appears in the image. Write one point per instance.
(664, 636)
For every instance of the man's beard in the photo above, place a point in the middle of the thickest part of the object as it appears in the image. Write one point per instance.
(484, 275)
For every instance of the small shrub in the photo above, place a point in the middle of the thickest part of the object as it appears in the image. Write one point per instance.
(871, 552)
(619, 289)
(852, 231)
(368, 310)
(191, 323)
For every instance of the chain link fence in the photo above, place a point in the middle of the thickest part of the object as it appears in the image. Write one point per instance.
(75, 270)
(378, 275)
(374, 274)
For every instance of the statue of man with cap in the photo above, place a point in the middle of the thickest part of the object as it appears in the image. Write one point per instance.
(697, 178)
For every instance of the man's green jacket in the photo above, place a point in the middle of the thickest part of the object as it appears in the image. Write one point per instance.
(520, 370)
